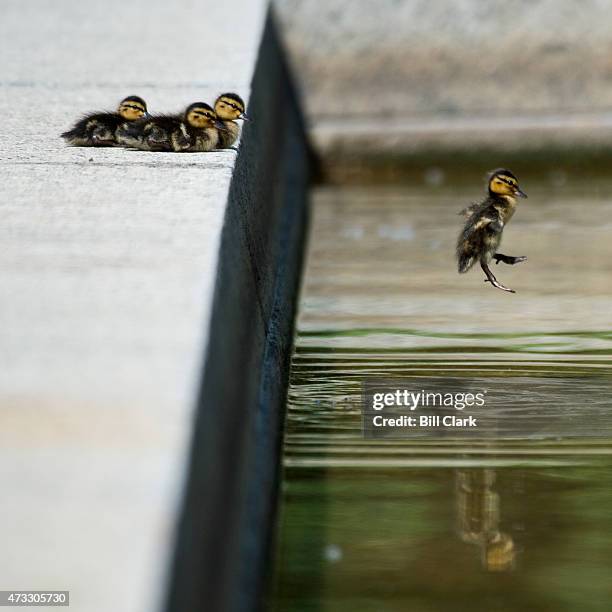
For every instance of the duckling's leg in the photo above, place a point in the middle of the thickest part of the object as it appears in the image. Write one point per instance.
(508, 259)
(491, 279)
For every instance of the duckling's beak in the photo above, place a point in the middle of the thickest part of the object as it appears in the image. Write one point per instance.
(245, 117)
(520, 194)
(219, 125)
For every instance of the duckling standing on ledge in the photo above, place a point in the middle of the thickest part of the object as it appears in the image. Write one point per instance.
(99, 129)
(202, 127)
(196, 131)
(485, 223)
(229, 106)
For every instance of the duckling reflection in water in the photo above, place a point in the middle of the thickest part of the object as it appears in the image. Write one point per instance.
(482, 233)
(197, 130)
(229, 107)
(100, 129)
(478, 518)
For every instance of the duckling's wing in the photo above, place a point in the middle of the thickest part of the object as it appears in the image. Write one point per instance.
(479, 237)
(490, 222)
(132, 128)
(468, 211)
(147, 133)
(158, 133)
(166, 122)
(85, 128)
(130, 133)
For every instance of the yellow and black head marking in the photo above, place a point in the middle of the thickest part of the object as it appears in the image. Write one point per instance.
(201, 115)
(503, 183)
(132, 108)
(198, 130)
(230, 106)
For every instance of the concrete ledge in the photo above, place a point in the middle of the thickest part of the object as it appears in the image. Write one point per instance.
(228, 517)
(505, 133)
(413, 59)
(143, 293)
(406, 150)
(407, 80)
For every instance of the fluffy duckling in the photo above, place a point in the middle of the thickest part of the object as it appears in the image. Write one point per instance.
(482, 233)
(202, 127)
(148, 133)
(99, 129)
(196, 131)
(229, 107)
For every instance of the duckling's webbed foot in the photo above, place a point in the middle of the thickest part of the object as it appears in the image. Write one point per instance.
(508, 259)
(491, 279)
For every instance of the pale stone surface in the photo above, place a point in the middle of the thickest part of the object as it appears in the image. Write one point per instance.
(397, 64)
(108, 265)
(504, 134)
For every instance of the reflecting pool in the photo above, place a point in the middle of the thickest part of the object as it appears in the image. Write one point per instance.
(514, 516)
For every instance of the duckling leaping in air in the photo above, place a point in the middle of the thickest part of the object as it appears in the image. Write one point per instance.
(485, 223)
(99, 129)
(197, 130)
(229, 107)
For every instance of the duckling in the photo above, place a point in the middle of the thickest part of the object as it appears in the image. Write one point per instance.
(149, 133)
(201, 127)
(229, 106)
(99, 129)
(482, 233)
(196, 131)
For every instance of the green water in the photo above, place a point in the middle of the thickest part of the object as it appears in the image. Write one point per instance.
(516, 515)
